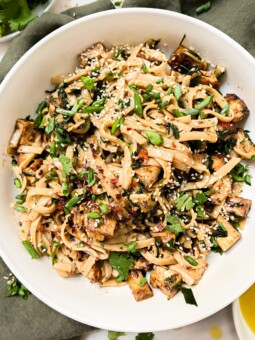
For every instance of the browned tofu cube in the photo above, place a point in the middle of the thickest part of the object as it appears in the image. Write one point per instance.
(238, 106)
(238, 207)
(95, 51)
(222, 188)
(142, 264)
(94, 275)
(140, 291)
(148, 175)
(218, 162)
(168, 281)
(233, 235)
(105, 226)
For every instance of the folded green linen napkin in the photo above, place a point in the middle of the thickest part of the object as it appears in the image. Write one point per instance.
(21, 319)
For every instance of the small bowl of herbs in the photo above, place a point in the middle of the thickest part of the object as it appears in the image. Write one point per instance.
(15, 15)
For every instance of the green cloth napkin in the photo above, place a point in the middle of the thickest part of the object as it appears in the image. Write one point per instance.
(32, 319)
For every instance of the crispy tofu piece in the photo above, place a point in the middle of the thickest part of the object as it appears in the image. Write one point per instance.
(95, 51)
(206, 78)
(218, 162)
(140, 292)
(189, 275)
(107, 228)
(168, 281)
(95, 235)
(222, 189)
(144, 201)
(184, 59)
(141, 264)
(24, 134)
(233, 235)
(94, 275)
(148, 175)
(238, 207)
(238, 106)
(244, 146)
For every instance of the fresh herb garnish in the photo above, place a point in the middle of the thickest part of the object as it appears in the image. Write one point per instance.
(240, 174)
(104, 208)
(184, 202)
(65, 189)
(144, 68)
(145, 336)
(122, 263)
(66, 164)
(225, 110)
(131, 246)
(20, 208)
(15, 287)
(174, 128)
(188, 296)
(112, 335)
(174, 225)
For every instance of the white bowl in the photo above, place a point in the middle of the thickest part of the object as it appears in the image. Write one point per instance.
(227, 277)
(38, 10)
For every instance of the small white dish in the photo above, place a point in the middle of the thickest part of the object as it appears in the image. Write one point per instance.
(242, 329)
(39, 10)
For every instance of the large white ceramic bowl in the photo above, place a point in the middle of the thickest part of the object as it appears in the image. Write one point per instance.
(227, 276)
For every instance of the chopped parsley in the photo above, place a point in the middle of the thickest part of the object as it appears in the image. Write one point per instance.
(112, 335)
(184, 202)
(174, 225)
(66, 164)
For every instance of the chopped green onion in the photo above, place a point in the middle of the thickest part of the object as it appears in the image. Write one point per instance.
(38, 119)
(94, 215)
(163, 105)
(93, 108)
(41, 126)
(155, 95)
(188, 296)
(145, 96)
(99, 102)
(20, 208)
(142, 282)
(73, 201)
(50, 127)
(89, 83)
(65, 188)
(169, 90)
(203, 8)
(92, 179)
(204, 103)
(177, 92)
(17, 183)
(154, 137)
(144, 68)
(177, 113)
(160, 81)
(225, 110)
(149, 88)
(29, 247)
(53, 150)
(104, 208)
(191, 260)
(117, 124)
(20, 199)
(138, 105)
(190, 111)
(253, 157)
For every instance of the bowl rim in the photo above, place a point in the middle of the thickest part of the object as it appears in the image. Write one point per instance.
(11, 73)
